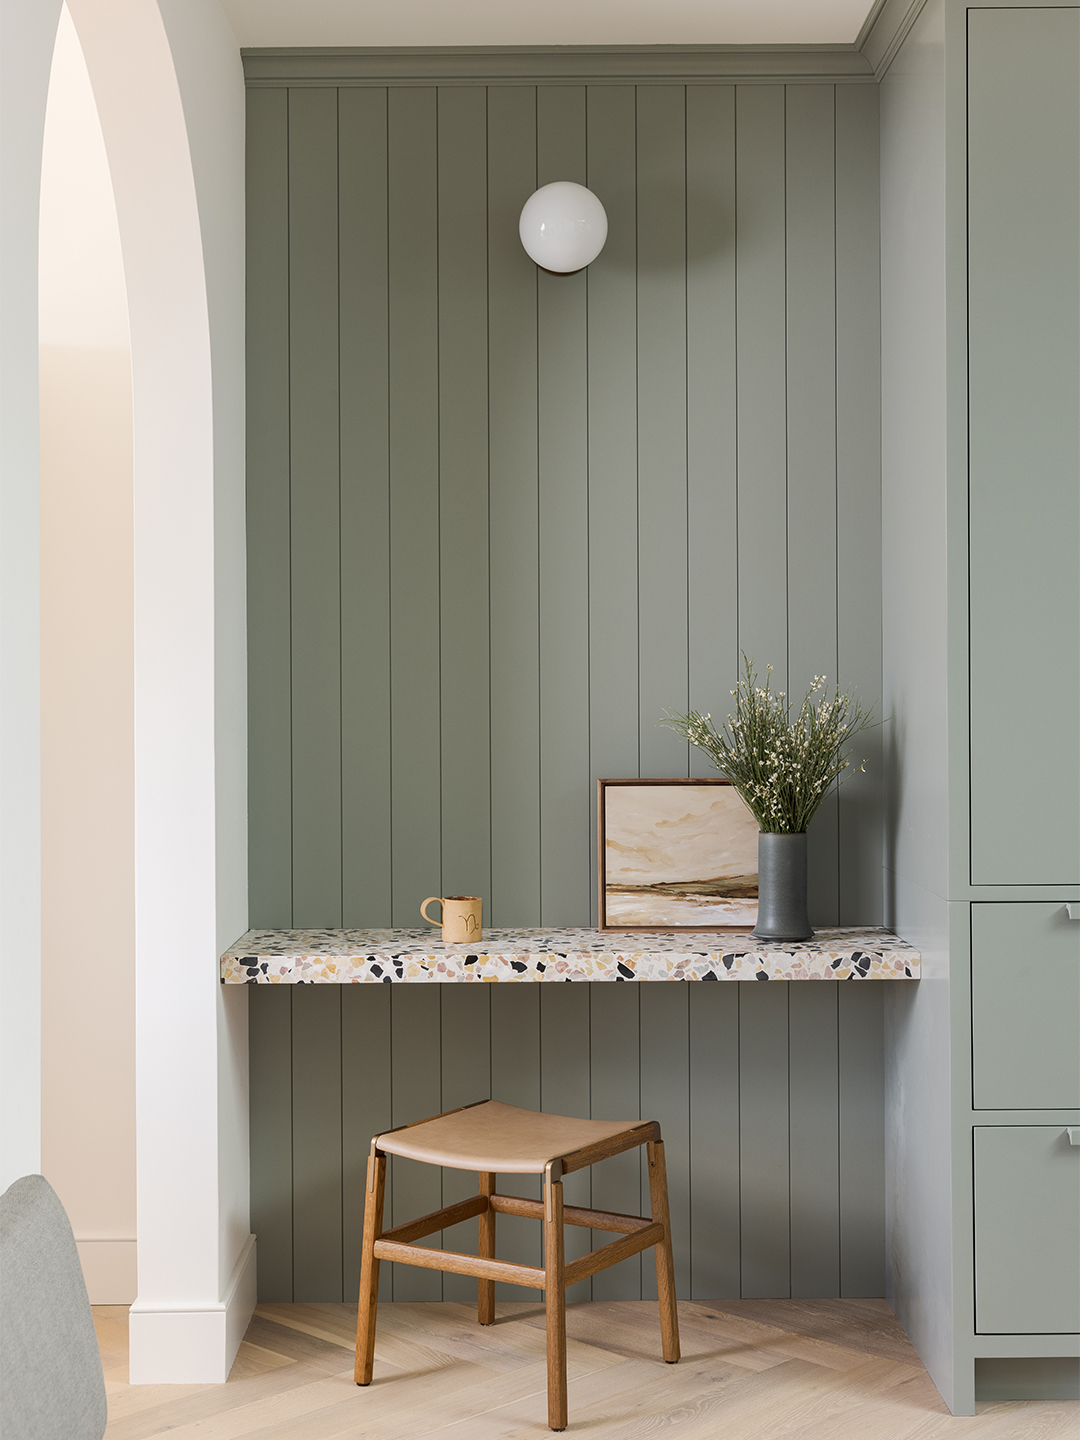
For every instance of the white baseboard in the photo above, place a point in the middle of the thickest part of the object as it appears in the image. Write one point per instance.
(110, 1269)
(188, 1346)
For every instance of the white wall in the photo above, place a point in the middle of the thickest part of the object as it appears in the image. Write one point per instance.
(87, 690)
(27, 29)
(181, 219)
(918, 1159)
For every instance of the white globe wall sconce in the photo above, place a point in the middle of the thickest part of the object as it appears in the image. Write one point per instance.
(563, 227)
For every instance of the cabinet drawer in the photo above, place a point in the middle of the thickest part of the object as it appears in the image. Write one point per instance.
(1027, 1230)
(1025, 999)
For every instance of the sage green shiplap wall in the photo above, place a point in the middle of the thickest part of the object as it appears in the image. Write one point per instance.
(499, 522)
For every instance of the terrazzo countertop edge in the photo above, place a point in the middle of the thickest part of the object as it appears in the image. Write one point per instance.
(350, 957)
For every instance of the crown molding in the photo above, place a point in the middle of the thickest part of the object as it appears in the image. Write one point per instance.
(885, 30)
(560, 65)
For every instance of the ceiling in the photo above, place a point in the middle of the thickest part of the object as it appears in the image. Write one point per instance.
(546, 22)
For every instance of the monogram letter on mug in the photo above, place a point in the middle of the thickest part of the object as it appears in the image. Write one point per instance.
(460, 917)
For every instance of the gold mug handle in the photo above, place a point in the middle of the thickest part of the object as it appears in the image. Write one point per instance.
(423, 909)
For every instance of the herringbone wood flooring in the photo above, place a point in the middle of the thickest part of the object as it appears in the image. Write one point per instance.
(751, 1370)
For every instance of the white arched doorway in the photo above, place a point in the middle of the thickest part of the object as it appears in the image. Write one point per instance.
(169, 91)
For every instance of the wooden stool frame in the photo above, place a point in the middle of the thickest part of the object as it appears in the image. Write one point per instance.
(637, 1232)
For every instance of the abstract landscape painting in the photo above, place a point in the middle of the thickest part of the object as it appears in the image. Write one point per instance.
(676, 854)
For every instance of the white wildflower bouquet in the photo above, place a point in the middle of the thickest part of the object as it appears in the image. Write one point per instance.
(783, 767)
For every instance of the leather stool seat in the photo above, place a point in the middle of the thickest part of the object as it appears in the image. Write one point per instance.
(491, 1138)
(498, 1137)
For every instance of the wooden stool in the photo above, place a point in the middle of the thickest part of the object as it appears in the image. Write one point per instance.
(493, 1138)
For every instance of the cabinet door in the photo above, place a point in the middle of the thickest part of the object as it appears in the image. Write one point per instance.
(1024, 481)
(1025, 1006)
(1027, 1231)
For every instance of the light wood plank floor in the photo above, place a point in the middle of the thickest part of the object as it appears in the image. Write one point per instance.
(751, 1370)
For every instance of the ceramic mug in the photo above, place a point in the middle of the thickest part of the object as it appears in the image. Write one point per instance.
(460, 917)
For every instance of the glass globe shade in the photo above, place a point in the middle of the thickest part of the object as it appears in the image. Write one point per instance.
(563, 227)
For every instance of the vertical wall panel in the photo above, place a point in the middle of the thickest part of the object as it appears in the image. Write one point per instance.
(712, 508)
(811, 429)
(365, 511)
(270, 1072)
(565, 1066)
(514, 515)
(563, 449)
(269, 593)
(316, 1104)
(516, 518)
(763, 1119)
(665, 1069)
(463, 491)
(762, 370)
(415, 1092)
(615, 1083)
(414, 499)
(515, 1079)
(662, 564)
(466, 1078)
(365, 1112)
(313, 420)
(714, 1140)
(862, 1145)
(858, 484)
(814, 1139)
(613, 515)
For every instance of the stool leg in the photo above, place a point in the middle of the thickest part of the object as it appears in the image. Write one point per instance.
(485, 1309)
(369, 1270)
(555, 1302)
(665, 1264)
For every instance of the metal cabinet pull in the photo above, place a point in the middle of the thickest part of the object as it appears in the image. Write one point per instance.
(1073, 1132)
(1072, 910)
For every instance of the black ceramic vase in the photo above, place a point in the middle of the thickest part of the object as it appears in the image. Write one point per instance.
(782, 888)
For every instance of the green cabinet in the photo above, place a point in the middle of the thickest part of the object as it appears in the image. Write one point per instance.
(1027, 1230)
(981, 445)
(1024, 444)
(1025, 998)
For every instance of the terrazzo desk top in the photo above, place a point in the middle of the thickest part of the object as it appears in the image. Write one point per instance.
(350, 957)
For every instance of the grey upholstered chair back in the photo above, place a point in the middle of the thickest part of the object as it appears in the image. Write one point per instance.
(51, 1385)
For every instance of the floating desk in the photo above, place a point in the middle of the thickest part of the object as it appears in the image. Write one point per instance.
(350, 957)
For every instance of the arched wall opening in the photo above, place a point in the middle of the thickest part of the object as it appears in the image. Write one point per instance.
(168, 85)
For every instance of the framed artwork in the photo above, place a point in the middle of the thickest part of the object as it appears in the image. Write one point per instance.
(676, 855)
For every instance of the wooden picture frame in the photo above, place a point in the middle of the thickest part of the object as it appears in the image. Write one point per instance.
(662, 826)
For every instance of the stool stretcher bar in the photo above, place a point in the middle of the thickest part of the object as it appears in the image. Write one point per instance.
(572, 1214)
(638, 1234)
(596, 1260)
(512, 1205)
(438, 1220)
(459, 1264)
